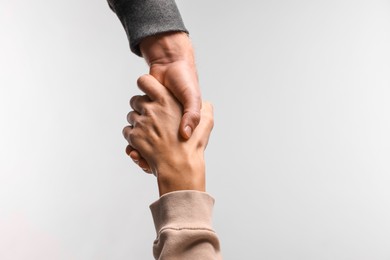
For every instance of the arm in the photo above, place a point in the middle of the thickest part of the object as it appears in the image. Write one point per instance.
(156, 31)
(182, 215)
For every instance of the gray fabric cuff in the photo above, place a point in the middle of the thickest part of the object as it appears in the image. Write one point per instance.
(143, 18)
(186, 209)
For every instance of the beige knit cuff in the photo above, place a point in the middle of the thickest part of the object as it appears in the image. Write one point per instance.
(186, 209)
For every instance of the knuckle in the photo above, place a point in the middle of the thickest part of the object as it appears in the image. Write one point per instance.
(133, 116)
(147, 126)
(147, 110)
(133, 101)
(132, 138)
(125, 131)
(139, 123)
(129, 117)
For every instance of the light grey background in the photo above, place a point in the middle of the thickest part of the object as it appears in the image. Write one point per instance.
(299, 157)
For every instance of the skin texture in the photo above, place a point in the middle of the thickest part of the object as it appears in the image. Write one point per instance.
(170, 57)
(153, 132)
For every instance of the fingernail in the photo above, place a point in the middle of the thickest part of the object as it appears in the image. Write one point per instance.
(135, 161)
(145, 169)
(188, 130)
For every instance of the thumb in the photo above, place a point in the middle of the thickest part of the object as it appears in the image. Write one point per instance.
(190, 98)
(191, 117)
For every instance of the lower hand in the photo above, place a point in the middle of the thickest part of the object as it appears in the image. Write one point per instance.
(155, 121)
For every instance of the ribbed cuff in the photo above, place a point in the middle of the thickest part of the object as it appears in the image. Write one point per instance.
(143, 18)
(183, 209)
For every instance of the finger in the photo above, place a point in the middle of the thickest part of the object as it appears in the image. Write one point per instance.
(203, 130)
(151, 87)
(207, 114)
(135, 156)
(131, 136)
(126, 132)
(144, 166)
(129, 149)
(207, 119)
(137, 102)
(141, 163)
(188, 123)
(138, 159)
(132, 118)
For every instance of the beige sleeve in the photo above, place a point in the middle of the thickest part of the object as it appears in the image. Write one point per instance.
(183, 226)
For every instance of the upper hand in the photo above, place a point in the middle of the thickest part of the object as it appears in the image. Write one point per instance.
(171, 60)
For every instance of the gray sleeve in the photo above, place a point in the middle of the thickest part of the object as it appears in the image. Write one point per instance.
(142, 18)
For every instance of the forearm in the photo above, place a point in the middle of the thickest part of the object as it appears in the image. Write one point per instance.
(183, 222)
(166, 48)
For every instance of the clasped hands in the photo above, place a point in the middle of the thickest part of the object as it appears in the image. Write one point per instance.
(155, 142)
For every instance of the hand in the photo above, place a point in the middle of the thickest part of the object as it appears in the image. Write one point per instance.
(171, 60)
(177, 163)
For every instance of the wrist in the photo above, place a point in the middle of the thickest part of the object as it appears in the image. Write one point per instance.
(166, 48)
(181, 175)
